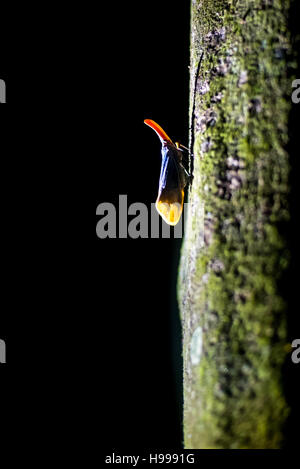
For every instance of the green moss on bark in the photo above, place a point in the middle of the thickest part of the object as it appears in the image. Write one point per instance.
(234, 253)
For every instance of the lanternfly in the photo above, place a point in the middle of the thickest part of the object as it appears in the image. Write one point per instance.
(173, 177)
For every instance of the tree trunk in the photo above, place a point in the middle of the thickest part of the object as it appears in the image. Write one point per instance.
(235, 252)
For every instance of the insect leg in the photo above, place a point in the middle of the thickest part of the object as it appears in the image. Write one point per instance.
(182, 147)
(187, 174)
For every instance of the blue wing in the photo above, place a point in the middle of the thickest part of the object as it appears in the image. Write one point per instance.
(171, 173)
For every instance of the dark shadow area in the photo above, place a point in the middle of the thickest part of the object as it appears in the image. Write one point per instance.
(135, 323)
(290, 282)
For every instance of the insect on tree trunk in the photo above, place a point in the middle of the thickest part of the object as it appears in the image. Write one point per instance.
(236, 256)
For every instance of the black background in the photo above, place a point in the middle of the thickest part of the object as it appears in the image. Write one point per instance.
(105, 340)
(92, 329)
(146, 73)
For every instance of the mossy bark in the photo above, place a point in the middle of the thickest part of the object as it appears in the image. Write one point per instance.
(234, 252)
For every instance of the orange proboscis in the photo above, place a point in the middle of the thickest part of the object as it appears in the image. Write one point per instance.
(160, 132)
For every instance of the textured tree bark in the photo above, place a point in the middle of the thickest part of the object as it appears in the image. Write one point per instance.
(235, 252)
